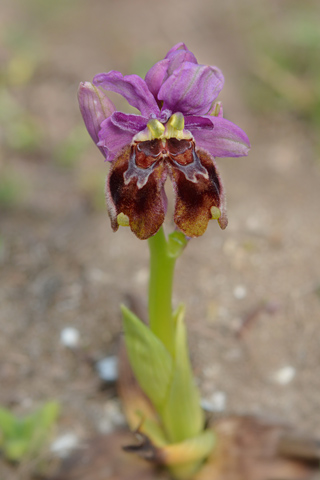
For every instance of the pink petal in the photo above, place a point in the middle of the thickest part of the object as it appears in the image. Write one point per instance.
(133, 88)
(191, 89)
(225, 139)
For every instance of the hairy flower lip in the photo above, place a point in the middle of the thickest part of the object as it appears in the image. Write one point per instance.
(135, 187)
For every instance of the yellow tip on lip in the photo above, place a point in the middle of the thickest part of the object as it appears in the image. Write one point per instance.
(123, 220)
(215, 213)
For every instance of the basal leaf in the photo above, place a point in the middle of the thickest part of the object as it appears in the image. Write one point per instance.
(182, 414)
(150, 360)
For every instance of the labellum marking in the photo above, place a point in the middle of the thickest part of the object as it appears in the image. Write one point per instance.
(145, 156)
(135, 187)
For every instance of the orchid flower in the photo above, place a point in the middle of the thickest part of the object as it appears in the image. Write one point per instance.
(179, 133)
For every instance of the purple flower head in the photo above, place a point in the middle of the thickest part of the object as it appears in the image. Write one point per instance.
(179, 132)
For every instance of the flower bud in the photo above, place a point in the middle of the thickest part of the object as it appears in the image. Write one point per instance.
(95, 107)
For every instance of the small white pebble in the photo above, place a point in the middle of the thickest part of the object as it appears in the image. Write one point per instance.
(216, 403)
(64, 444)
(69, 337)
(111, 418)
(240, 292)
(218, 400)
(112, 409)
(206, 405)
(285, 375)
(107, 368)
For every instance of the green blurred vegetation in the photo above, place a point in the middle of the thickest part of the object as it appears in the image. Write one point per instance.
(92, 184)
(21, 133)
(285, 74)
(25, 438)
(68, 152)
(13, 188)
(20, 130)
(24, 135)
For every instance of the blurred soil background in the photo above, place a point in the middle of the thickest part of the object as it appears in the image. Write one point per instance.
(252, 291)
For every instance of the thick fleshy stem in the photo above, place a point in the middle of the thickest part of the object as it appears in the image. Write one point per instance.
(160, 290)
(163, 255)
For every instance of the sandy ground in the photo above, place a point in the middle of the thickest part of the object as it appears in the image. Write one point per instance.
(252, 291)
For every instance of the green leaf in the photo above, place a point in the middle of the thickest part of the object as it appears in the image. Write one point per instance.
(26, 436)
(36, 427)
(16, 449)
(47, 415)
(179, 312)
(182, 414)
(186, 458)
(150, 360)
(7, 424)
(153, 430)
(190, 450)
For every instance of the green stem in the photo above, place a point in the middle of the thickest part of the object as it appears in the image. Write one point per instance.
(160, 290)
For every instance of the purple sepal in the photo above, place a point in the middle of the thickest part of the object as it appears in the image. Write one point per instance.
(178, 55)
(95, 107)
(133, 88)
(118, 130)
(113, 138)
(174, 59)
(181, 48)
(225, 139)
(191, 89)
(156, 76)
